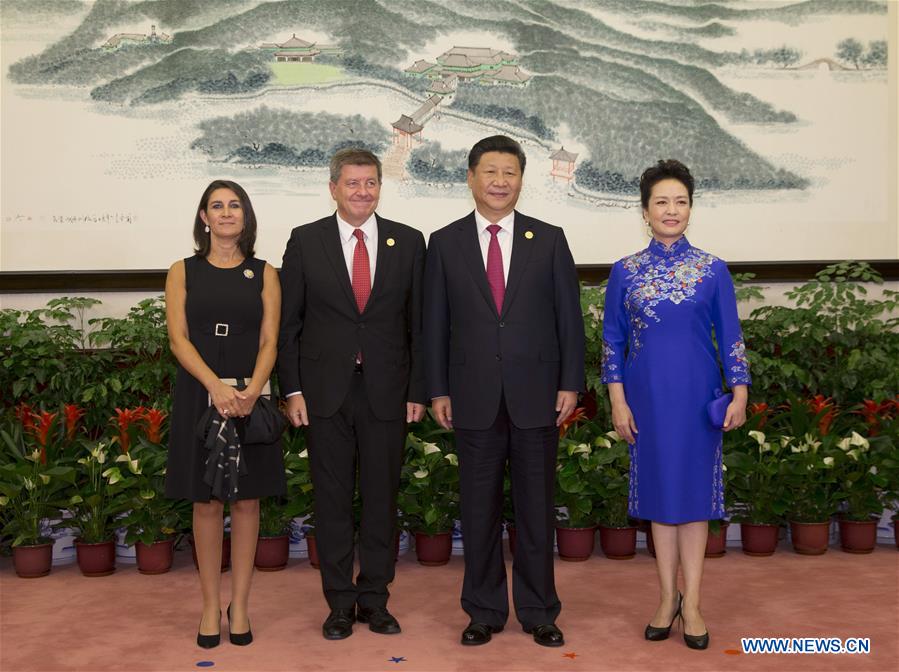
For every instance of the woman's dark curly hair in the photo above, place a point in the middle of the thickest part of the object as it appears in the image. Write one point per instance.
(664, 170)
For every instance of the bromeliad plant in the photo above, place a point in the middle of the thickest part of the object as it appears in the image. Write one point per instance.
(102, 484)
(429, 486)
(32, 488)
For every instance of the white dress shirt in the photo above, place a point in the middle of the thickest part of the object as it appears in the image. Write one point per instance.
(503, 236)
(348, 243)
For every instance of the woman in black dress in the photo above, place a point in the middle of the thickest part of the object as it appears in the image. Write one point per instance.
(222, 311)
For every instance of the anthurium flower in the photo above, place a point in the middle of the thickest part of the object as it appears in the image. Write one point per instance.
(430, 448)
(421, 473)
(758, 436)
(452, 459)
(828, 461)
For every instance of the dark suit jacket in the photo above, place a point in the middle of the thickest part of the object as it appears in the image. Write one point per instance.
(322, 329)
(529, 352)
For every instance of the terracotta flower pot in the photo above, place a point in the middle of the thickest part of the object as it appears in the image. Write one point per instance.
(618, 543)
(759, 540)
(313, 550)
(433, 550)
(155, 558)
(858, 536)
(513, 536)
(272, 553)
(33, 561)
(896, 531)
(96, 559)
(226, 553)
(810, 538)
(716, 545)
(575, 543)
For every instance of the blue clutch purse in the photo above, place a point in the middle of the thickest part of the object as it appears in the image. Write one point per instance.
(717, 408)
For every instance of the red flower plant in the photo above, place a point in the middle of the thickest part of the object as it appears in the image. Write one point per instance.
(153, 419)
(577, 415)
(821, 405)
(42, 430)
(25, 414)
(124, 419)
(760, 408)
(872, 412)
(73, 414)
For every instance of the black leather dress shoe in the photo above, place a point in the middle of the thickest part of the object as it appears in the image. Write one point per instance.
(478, 633)
(547, 635)
(379, 620)
(339, 624)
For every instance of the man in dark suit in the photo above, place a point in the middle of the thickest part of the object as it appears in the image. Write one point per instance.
(350, 366)
(504, 342)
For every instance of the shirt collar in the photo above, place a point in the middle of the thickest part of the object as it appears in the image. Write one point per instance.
(678, 246)
(369, 226)
(506, 223)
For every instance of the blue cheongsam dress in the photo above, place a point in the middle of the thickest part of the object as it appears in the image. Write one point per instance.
(661, 306)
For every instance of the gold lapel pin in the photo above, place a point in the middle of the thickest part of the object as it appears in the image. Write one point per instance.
(391, 242)
(528, 234)
(248, 273)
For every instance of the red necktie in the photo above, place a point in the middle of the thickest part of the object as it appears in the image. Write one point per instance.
(495, 276)
(361, 271)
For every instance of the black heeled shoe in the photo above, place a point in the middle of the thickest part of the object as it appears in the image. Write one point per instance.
(654, 634)
(209, 641)
(239, 638)
(698, 642)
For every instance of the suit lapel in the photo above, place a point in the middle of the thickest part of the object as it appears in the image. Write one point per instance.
(334, 252)
(467, 231)
(522, 246)
(384, 260)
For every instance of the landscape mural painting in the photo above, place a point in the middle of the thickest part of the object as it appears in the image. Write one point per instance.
(116, 114)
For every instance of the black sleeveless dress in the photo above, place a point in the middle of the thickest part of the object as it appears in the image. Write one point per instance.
(219, 296)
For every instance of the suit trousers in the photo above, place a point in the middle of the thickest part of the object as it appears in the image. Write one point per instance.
(352, 440)
(531, 454)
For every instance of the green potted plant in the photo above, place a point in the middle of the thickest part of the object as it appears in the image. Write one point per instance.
(808, 474)
(101, 493)
(32, 489)
(152, 521)
(862, 484)
(756, 493)
(577, 467)
(429, 498)
(617, 536)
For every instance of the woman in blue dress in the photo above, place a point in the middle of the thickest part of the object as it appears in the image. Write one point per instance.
(662, 369)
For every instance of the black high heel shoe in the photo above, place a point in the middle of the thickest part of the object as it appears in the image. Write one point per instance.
(654, 634)
(698, 642)
(209, 641)
(238, 638)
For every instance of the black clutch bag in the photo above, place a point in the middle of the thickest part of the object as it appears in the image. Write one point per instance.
(265, 424)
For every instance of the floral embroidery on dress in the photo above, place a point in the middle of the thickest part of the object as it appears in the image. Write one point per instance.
(740, 368)
(633, 502)
(654, 279)
(717, 484)
(609, 368)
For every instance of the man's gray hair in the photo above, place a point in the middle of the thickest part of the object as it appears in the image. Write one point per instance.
(352, 156)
